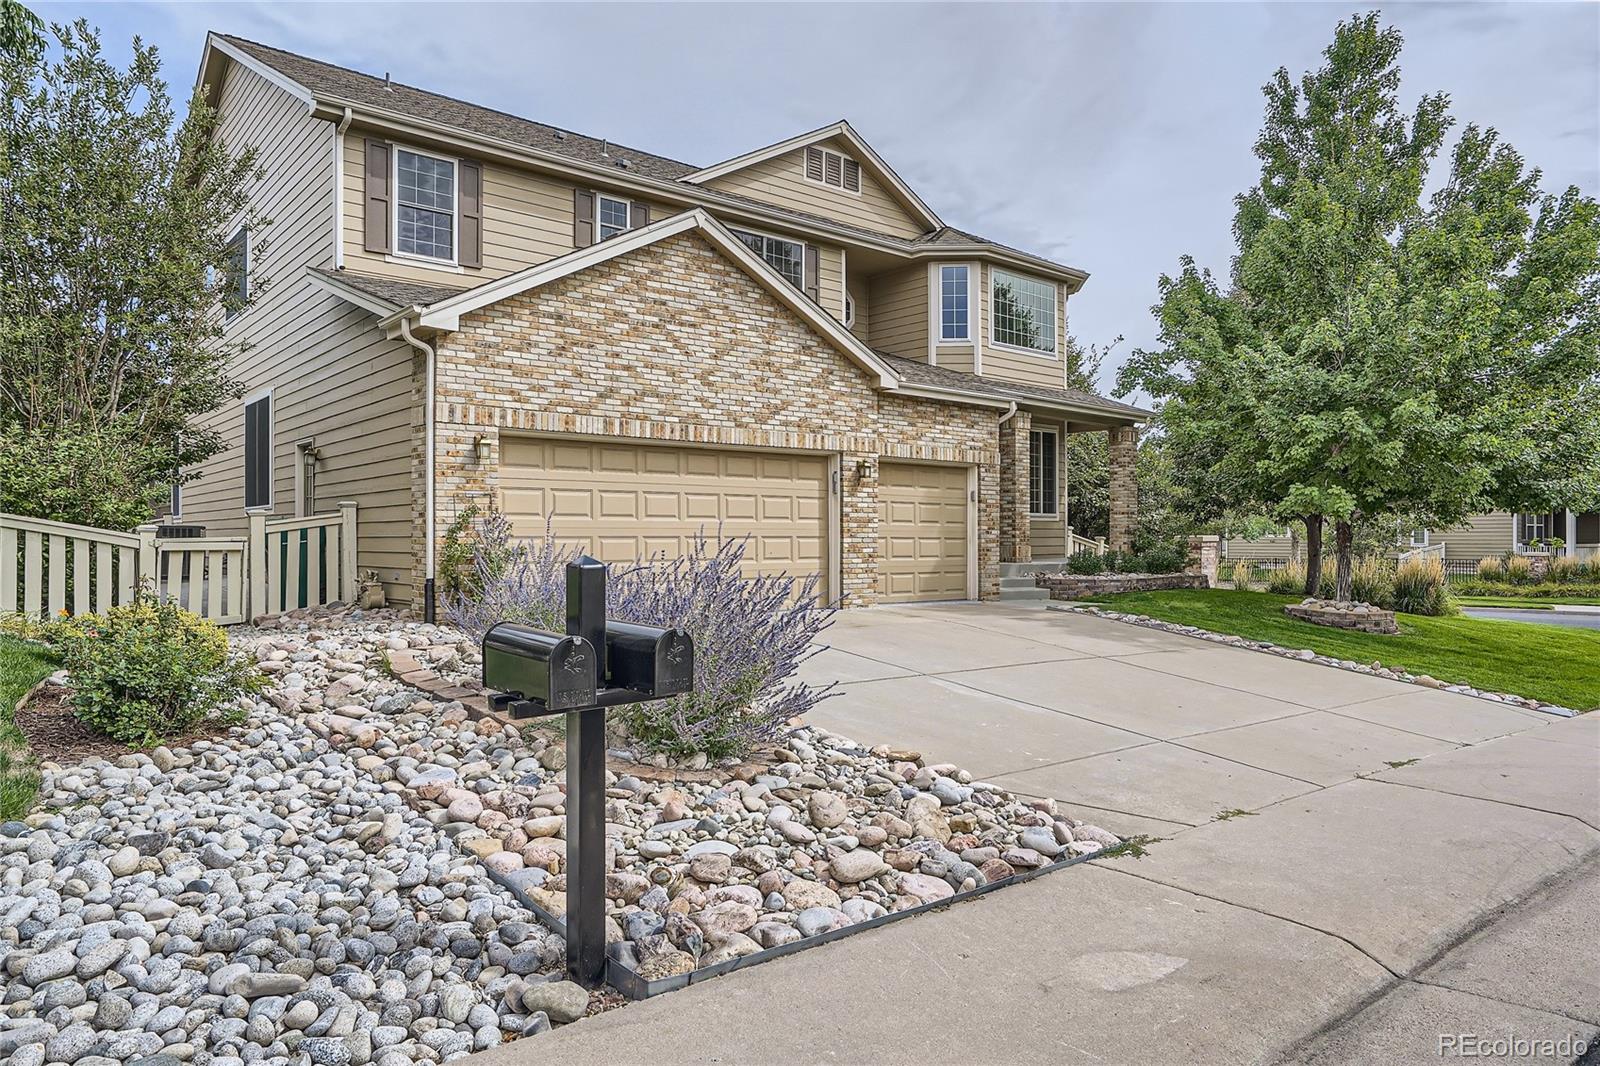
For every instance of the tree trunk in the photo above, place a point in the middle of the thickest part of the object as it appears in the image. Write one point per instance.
(1313, 553)
(1342, 540)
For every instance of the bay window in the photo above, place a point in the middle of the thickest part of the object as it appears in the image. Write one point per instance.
(1022, 312)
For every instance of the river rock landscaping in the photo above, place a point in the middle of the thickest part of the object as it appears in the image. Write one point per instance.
(336, 880)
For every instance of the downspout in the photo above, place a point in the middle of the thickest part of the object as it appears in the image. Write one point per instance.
(338, 188)
(428, 608)
(1007, 416)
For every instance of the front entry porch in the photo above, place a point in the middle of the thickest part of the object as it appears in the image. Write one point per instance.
(1036, 524)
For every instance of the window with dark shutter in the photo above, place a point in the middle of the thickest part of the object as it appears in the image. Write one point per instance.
(238, 293)
(376, 238)
(258, 452)
(471, 208)
(582, 218)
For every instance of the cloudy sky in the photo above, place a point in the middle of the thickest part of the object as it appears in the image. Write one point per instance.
(1108, 136)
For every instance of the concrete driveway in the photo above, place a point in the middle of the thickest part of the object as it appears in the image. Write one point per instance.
(1348, 868)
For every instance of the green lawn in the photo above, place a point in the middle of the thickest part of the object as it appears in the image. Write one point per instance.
(1527, 602)
(1548, 663)
(22, 666)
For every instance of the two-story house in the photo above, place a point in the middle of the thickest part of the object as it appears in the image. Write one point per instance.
(458, 306)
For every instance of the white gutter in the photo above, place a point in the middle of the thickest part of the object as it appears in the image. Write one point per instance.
(427, 453)
(338, 188)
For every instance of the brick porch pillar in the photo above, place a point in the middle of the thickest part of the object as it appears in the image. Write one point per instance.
(1121, 452)
(1015, 546)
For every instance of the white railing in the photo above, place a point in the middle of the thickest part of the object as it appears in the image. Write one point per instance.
(302, 562)
(52, 568)
(1076, 543)
(1435, 551)
(49, 569)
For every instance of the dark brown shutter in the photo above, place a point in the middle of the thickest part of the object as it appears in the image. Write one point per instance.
(257, 453)
(582, 218)
(377, 224)
(852, 175)
(638, 215)
(811, 272)
(814, 164)
(834, 163)
(471, 246)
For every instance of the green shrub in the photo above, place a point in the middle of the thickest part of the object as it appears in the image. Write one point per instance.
(1491, 568)
(1420, 587)
(148, 670)
(1588, 590)
(1087, 562)
(1371, 581)
(1565, 570)
(1160, 559)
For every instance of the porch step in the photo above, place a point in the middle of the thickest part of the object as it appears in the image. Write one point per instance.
(1029, 592)
(1038, 566)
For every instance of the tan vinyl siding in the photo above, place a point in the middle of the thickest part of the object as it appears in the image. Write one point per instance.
(830, 280)
(858, 292)
(1272, 547)
(335, 379)
(900, 312)
(781, 181)
(1048, 535)
(527, 220)
(1014, 364)
(1480, 536)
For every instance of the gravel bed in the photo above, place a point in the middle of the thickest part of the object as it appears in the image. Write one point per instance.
(1376, 669)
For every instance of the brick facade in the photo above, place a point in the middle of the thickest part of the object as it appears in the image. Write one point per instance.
(1122, 452)
(674, 343)
(1015, 467)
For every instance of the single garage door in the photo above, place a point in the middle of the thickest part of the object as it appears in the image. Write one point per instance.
(922, 532)
(627, 501)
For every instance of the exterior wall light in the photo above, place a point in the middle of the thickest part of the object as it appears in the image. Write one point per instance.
(481, 445)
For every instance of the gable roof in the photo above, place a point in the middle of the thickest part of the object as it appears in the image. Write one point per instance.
(862, 152)
(328, 79)
(379, 294)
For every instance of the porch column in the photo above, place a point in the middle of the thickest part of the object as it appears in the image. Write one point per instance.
(1570, 535)
(1015, 546)
(1121, 451)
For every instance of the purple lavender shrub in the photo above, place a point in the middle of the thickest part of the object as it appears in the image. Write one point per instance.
(750, 633)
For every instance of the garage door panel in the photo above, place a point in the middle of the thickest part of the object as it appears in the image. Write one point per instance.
(623, 501)
(922, 511)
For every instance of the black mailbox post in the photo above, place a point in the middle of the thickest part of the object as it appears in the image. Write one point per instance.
(595, 665)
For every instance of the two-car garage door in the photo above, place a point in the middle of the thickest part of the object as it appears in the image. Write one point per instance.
(624, 501)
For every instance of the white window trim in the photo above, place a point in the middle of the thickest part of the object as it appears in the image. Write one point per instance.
(849, 308)
(272, 447)
(938, 298)
(1055, 316)
(599, 196)
(241, 228)
(861, 180)
(736, 230)
(1055, 437)
(454, 262)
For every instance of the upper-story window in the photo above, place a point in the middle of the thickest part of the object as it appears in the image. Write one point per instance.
(831, 168)
(954, 302)
(425, 194)
(238, 293)
(786, 257)
(612, 215)
(1022, 312)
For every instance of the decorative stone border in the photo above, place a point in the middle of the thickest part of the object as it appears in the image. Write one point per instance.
(1082, 586)
(1375, 669)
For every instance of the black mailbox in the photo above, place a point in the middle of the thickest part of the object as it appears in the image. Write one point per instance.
(649, 659)
(552, 672)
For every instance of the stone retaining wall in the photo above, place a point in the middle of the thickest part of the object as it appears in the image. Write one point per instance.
(1361, 616)
(1082, 586)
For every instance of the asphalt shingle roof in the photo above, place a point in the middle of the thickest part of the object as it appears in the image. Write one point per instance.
(330, 80)
(915, 372)
(390, 290)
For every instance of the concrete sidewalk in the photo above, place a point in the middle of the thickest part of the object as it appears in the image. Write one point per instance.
(1414, 863)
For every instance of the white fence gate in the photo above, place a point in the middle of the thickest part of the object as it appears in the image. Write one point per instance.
(49, 569)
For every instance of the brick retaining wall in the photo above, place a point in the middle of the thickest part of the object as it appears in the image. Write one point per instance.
(1082, 586)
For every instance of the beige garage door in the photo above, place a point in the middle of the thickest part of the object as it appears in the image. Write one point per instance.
(625, 501)
(922, 532)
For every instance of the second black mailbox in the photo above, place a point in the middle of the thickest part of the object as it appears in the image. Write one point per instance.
(649, 659)
(547, 668)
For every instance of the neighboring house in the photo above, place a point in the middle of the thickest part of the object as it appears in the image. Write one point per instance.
(1500, 532)
(461, 307)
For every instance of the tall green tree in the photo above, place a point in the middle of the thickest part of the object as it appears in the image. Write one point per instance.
(114, 278)
(1376, 354)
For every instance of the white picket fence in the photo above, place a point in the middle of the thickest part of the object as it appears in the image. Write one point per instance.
(1435, 551)
(49, 569)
